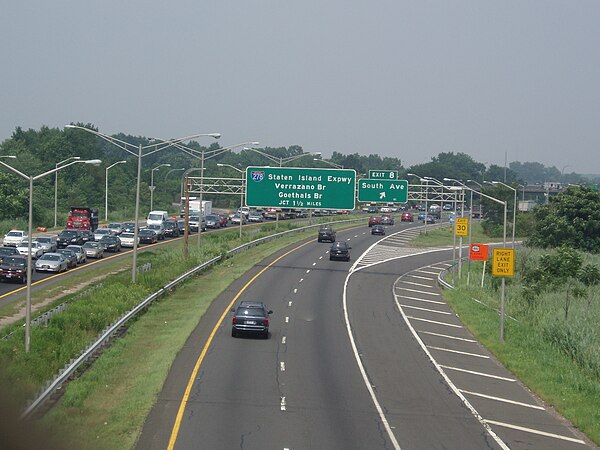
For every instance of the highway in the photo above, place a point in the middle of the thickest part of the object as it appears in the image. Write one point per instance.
(362, 355)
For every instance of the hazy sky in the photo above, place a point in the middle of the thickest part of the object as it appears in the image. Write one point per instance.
(396, 78)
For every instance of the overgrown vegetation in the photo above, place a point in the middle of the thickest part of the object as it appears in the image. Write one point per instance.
(553, 344)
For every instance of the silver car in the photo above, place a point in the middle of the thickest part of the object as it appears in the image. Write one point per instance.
(93, 250)
(101, 232)
(36, 249)
(127, 239)
(51, 262)
(79, 251)
(47, 242)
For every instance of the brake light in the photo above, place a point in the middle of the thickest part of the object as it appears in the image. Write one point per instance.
(266, 322)
(234, 320)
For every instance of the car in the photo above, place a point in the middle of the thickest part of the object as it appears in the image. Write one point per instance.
(8, 251)
(339, 250)
(385, 209)
(171, 228)
(69, 237)
(326, 234)
(386, 219)
(87, 235)
(129, 227)
(378, 229)
(14, 238)
(407, 216)
(372, 210)
(51, 262)
(13, 268)
(250, 317)
(128, 239)
(375, 220)
(447, 207)
(147, 236)
(110, 243)
(181, 225)
(37, 249)
(116, 227)
(101, 232)
(93, 250)
(69, 255)
(79, 252)
(421, 216)
(159, 229)
(430, 219)
(255, 217)
(213, 221)
(47, 242)
(236, 218)
(224, 220)
(194, 223)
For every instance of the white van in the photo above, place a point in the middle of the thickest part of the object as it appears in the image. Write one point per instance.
(157, 217)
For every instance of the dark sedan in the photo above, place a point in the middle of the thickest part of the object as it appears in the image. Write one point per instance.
(110, 243)
(8, 251)
(339, 250)
(378, 229)
(171, 228)
(251, 317)
(14, 268)
(69, 255)
(148, 236)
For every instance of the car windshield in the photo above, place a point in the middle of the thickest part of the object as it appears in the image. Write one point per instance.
(127, 235)
(68, 233)
(155, 216)
(211, 217)
(90, 245)
(102, 231)
(7, 250)
(154, 227)
(48, 257)
(44, 240)
(14, 261)
(243, 311)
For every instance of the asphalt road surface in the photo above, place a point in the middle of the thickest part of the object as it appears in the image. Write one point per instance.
(362, 355)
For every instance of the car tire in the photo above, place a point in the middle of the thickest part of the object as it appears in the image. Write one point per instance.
(266, 335)
(330, 258)
(233, 333)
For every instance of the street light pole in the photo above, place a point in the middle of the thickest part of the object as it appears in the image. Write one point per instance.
(331, 163)
(58, 164)
(129, 148)
(152, 184)
(243, 173)
(514, 208)
(31, 179)
(106, 189)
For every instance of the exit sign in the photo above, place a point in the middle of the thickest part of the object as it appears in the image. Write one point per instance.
(383, 174)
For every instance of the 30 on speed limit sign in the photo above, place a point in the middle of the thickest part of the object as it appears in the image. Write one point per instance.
(462, 226)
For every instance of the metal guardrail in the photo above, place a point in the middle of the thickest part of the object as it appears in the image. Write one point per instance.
(112, 330)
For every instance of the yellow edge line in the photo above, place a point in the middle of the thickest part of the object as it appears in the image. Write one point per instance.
(192, 378)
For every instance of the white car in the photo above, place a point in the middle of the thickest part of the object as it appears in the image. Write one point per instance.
(37, 249)
(127, 240)
(14, 238)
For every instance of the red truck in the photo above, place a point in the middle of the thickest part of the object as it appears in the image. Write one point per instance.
(82, 218)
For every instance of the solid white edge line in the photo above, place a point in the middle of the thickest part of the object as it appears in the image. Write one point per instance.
(475, 355)
(362, 368)
(427, 310)
(454, 389)
(447, 336)
(422, 300)
(481, 374)
(534, 431)
(503, 400)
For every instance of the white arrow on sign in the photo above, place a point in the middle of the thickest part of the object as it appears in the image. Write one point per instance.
(381, 195)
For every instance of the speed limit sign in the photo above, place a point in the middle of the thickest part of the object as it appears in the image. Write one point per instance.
(462, 226)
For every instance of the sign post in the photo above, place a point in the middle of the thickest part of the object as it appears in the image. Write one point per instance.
(461, 228)
(300, 188)
(382, 191)
(503, 265)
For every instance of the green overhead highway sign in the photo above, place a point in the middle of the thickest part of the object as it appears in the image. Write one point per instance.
(385, 191)
(383, 174)
(291, 187)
